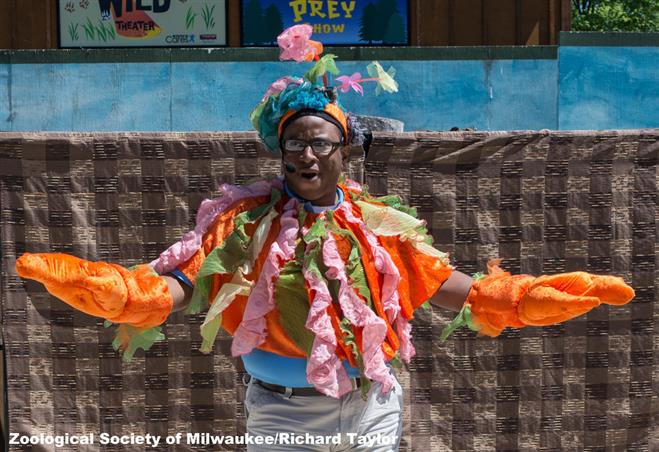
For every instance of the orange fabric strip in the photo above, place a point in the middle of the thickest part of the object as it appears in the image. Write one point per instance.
(420, 275)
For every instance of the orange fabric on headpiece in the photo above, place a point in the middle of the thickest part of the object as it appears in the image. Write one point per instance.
(338, 114)
(331, 109)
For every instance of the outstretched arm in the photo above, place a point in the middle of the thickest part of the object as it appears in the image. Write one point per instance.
(453, 293)
(138, 299)
(137, 296)
(181, 293)
(501, 300)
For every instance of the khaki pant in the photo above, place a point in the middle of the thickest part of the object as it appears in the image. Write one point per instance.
(319, 423)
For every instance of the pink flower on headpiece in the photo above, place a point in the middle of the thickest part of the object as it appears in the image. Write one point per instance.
(295, 44)
(280, 85)
(352, 81)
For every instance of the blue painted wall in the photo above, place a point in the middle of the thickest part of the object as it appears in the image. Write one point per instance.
(5, 97)
(433, 95)
(86, 97)
(584, 88)
(608, 87)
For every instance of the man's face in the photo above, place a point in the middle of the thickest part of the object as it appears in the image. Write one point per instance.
(315, 177)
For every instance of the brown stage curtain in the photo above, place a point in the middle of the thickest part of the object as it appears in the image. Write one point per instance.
(545, 202)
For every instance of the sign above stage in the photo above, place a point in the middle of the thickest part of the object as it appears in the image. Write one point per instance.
(335, 22)
(142, 23)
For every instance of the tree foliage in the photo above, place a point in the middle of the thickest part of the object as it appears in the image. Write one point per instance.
(253, 23)
(273, 24)
(395, 33)
(368, 24)
(615, 15)
(261, 26)
(382, 22)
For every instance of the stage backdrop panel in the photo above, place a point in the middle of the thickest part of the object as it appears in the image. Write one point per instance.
(544, 202)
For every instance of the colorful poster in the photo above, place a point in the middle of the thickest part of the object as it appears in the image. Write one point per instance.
(342, 22)
(142, 23)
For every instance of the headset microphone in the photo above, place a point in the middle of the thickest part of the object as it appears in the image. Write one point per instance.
(289, 168)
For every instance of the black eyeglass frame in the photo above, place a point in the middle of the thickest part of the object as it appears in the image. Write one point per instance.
(335, 146)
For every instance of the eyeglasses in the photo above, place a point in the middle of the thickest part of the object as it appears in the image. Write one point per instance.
(320, 148)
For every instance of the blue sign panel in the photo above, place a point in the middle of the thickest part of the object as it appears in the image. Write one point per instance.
(335, 22)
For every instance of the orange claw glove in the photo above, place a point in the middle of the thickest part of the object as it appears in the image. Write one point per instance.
(138, 298)
(500, 300)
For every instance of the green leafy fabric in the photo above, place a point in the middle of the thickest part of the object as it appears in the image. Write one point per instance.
(226, 258)
(292, 303)
(209, 332)
(357, 275)
(387, 221)
(462, 319)
(313, 238)
(333, 285)
(349, 338)
(324, 64)
(224, 297)
(478, 275)
(396, 362)
(313, 259)
(395, 202)
(259, 238)
(129, 339)
(359, 195)
(200, 293)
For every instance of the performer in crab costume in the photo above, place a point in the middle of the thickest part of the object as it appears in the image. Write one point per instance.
(315, 279)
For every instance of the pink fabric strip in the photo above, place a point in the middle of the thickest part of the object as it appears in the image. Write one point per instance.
(324, 368)
(252, 329)
(390, 280)
(209, 209)
(351, 184)
(374, 330)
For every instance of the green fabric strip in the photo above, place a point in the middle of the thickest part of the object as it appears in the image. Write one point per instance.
(224, 259)
(292, 303)
(462, 319)
(225, 296)
(349, 339)
(129, 339)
